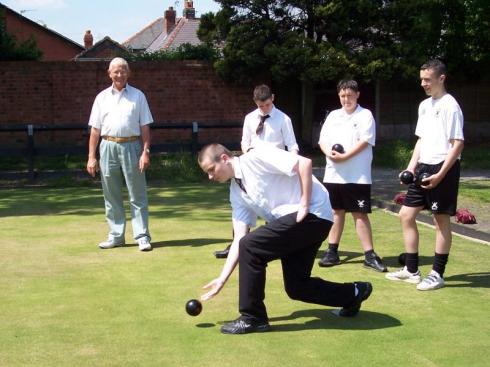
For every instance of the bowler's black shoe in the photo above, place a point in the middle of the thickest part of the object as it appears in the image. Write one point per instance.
(374, 262)
(245, 326)
(330, 258)
(365, 289)
(222, 254)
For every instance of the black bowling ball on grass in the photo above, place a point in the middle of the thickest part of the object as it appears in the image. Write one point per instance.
(193, 307)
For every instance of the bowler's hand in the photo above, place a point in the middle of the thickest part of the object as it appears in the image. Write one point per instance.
(92, 166)
(302, 213)
(215, 287)
(144, 161)
(431, 182)
(336, 156)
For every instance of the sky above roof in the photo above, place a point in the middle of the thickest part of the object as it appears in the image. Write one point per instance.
(117, 19)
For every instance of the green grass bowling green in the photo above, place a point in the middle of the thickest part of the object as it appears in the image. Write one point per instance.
(64, 302)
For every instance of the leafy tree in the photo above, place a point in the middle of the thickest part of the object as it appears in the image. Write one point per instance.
(320, 40)
(10, 50)
(185, 51)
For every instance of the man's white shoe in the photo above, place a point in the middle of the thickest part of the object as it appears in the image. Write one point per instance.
(405, 275)
(431, 282)
(110, 244)
(144, 244)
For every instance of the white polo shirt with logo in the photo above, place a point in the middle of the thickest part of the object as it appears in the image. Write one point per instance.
(440, 120)
(272, 187)
(349, 129)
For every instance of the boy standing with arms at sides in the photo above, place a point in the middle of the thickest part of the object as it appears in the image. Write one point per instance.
(266, 124)
(348, 173)
(437, 152)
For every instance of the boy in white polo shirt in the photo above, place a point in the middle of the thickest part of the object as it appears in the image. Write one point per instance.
(437, 152)
(348, 173)
(279, 187)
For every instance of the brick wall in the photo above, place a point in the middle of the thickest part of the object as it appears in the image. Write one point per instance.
(61, 93)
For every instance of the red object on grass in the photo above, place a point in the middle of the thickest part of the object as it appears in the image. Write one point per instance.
(465, 216)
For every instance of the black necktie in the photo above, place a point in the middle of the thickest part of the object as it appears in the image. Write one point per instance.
(239, 183)
(260, 128)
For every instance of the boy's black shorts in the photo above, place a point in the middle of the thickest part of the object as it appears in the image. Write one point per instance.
(350, 197)
(440, 200)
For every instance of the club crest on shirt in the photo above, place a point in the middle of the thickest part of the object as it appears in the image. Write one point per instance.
(360, 203)
(437, 112)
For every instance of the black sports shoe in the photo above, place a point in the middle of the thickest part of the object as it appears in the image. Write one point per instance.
(245, 326)
(330, 258)
(365, 289)
(374, 262)
(222, 254)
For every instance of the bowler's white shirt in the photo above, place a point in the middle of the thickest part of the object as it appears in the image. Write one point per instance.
(348, 130)
(273, 187)
(278, 130)
(120, 113)
(440, 120)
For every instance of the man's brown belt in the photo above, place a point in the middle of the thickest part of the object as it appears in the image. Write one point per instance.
(120, 140)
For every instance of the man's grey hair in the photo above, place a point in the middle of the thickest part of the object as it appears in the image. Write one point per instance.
(118, 61)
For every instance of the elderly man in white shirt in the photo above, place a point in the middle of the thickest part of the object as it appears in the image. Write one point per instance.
(279, 187)
(121, 116)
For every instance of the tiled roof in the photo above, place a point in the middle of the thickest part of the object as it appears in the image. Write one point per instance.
(144, 38)
(106, 48)
(153, 38)
(184, 32)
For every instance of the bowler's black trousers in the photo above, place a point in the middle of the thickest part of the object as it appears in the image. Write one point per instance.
(296, 244)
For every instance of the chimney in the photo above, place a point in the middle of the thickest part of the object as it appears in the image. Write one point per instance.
(169, 22)
(189, 11)
(88, 40)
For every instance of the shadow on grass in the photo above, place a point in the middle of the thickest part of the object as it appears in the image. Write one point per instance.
(325, 319)
(470, 280)
(169, 201)
(193, 242)
(358, 258)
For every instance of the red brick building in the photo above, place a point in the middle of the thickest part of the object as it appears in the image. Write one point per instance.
(54, 46)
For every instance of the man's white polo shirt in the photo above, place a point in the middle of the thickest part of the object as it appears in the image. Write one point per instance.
(120, 113)
(272, 187)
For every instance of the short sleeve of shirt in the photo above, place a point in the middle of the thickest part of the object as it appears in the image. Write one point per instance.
(95, 119)
(145, 117)
(323, 132)
(241, 212)
(367, 130)
(455, 127)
